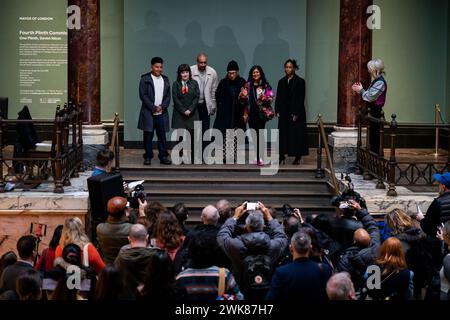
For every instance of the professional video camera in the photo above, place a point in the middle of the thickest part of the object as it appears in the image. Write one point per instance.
(136, 194)
(349, 193)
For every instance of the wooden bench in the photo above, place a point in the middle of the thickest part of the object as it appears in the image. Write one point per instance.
(60, 158)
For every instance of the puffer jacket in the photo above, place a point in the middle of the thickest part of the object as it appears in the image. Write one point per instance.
(437, 213)
(355, 260)
(238, 247)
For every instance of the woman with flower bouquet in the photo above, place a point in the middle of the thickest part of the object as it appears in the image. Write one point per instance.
(256, 97)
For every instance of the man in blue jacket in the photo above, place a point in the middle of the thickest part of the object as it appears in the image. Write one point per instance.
(154, 92)
(303, 279)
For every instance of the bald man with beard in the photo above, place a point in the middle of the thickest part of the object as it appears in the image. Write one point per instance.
(362, 254)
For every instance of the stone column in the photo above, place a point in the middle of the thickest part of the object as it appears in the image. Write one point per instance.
(84, 76)
(355, 50)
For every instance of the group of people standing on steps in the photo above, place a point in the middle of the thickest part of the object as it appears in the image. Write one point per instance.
(197, 95)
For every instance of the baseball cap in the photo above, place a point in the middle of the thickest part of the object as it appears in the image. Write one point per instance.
(443, 178)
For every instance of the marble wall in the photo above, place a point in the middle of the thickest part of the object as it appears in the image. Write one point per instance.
(379, 203)
(18, 210)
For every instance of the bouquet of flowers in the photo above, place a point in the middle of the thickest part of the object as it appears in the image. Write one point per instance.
(264, 98)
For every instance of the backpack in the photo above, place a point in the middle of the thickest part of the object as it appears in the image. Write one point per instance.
(257, 275)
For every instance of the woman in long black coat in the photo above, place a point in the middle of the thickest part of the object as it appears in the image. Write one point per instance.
(230, 114)
(229, 109)
(290, 109)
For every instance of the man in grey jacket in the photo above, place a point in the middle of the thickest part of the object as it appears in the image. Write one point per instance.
(237, 246)
(206, 78)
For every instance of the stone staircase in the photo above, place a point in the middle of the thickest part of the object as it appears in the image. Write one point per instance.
(199, 185)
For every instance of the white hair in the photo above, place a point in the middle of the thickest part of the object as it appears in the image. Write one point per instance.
(255, 221)
(376, 67)
(210, 215)
(340, 287)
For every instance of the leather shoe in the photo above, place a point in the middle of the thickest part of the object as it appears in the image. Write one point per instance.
(147, 162)
(297, 161)
(166, 161)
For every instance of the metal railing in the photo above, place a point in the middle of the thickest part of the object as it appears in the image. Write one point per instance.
(411, 172)
(114, 147)
(323, 143)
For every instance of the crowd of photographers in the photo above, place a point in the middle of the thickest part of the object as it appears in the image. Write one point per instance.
(245, 253)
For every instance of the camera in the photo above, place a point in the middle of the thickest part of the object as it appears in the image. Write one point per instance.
(251, 206)
(345, 205)
(342, 201)
(287, 211)
(138, 193)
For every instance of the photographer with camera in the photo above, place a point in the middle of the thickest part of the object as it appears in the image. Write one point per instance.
(366, 241)
(344, 225)
(293, 222)
(254, 253)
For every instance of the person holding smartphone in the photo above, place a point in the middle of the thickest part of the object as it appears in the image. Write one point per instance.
(241, 249)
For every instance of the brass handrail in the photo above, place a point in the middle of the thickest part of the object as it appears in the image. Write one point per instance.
(323, 138)
(437, 113)
(115, 142)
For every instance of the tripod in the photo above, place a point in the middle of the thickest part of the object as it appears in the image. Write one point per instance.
(39, 230)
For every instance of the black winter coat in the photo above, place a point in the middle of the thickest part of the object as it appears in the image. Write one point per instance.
(230, 111)
(418, 256)
(355, 260)
(147, 96)
(437, 213)
(290, 101)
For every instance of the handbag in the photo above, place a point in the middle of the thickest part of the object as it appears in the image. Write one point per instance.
(221, 290)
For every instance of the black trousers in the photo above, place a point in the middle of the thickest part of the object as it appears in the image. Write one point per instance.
(257, 123)
(158, 126)
(204, 118)
(374, 128)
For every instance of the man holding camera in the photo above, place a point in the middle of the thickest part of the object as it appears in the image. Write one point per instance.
(343, 227)
(364, 250)
(254, 244)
